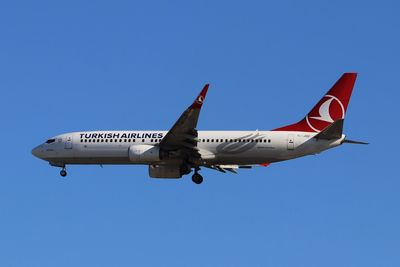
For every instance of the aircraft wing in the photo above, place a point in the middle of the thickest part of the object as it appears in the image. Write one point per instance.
(232, 168)
(181, 139)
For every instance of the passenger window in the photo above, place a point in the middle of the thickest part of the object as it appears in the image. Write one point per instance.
(142, 140)
(106, 140)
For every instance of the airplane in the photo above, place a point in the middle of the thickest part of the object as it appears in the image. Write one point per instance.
(174, 153)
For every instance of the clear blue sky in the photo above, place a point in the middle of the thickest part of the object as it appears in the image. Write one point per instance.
(90, 65)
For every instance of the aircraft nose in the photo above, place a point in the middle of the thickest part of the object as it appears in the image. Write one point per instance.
(37, 151)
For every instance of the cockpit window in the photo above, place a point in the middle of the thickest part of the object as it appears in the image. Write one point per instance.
(50, 141)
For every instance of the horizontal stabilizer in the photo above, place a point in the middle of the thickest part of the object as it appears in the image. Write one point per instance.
(333, 131)
(355, 142)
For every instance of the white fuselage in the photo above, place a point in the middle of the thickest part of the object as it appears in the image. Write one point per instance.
(215, 147)
(174, 153)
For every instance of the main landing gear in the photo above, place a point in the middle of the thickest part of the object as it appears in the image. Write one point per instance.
(196, 177)
(63, 172)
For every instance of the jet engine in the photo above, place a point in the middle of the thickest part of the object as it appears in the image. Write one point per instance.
(144, 153)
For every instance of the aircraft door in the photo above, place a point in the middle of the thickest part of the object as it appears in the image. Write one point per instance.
(68, 142)
(290, 142)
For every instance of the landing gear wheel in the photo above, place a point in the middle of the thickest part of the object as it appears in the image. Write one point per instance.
(197, 178)
(63, 173)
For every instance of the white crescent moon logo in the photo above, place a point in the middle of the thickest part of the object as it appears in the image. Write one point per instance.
(199, 100)
(324, 113)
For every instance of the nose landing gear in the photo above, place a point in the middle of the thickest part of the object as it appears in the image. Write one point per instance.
(196, 177)
(63, 172)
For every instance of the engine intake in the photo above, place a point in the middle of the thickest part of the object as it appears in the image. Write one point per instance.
(144, 153)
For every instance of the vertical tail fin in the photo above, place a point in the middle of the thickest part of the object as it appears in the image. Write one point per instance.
(330, 108)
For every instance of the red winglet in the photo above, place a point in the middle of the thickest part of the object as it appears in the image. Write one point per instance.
(200, 98)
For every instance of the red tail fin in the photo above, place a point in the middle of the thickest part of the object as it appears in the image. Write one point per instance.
(330, 108)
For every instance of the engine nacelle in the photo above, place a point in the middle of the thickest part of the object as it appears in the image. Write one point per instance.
(165, 171)
(144, 153)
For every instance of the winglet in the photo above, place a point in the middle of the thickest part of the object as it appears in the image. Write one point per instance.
(200, 98)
